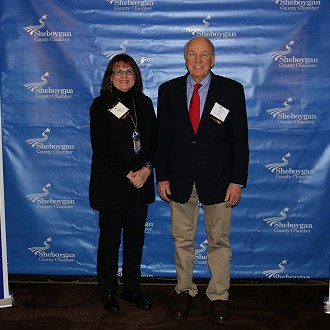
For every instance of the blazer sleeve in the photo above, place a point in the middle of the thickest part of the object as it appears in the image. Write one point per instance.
(239, 138)
(163, 139)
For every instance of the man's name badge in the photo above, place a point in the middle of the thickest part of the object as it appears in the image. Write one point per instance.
(219, 113)
(119, 110)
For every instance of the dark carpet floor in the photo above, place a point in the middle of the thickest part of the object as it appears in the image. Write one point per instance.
(77, 306)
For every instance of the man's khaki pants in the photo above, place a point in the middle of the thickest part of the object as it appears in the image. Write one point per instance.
(184, 218)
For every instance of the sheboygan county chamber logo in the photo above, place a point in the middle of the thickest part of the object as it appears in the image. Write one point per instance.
(280, 224)
(148, 227)
(43, 201)
(45, 253)
(41, 35)
(143, 274)
(141, 60)
(131, 5)
(283, 172)
(200, 253)
(274, 273)
(286, 117)
(298, 5)
(286, 60)
(279, 272)
(47, 148)
(113, 52)
(200, 31)
(42, 92)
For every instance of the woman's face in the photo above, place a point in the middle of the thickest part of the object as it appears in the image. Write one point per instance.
(123, 76)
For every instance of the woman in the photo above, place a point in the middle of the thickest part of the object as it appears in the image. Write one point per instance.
(122, 124)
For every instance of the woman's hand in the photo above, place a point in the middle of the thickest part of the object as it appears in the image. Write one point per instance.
(139, 177)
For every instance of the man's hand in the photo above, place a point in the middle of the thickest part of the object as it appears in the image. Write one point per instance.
(233, 195)
(164, 190)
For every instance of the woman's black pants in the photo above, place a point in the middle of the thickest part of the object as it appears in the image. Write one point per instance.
(131, 224)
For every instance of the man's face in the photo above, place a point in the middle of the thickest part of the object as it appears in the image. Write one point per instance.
(199, 59)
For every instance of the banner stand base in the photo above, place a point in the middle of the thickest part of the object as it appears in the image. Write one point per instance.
(7, 302)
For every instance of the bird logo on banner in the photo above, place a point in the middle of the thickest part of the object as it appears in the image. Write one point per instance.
(37, 141)
(276, 111)
(195, 29)
(33, 86)
(274, 272)
(37, 249)
(111, 53)
(33, 28)
(279, 54)
(203, 247)
(273, 220)
(275, 166)
(34, 197)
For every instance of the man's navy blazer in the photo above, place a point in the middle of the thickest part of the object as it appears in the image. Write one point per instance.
(216, 155)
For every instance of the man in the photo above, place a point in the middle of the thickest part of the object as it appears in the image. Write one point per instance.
(209, 165)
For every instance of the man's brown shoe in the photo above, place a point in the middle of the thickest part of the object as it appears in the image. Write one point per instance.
(220, 310)
(184, 304)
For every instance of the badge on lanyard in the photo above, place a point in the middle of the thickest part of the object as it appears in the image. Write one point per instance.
(119, 110)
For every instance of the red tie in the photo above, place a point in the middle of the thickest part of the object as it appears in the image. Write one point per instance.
(194, 108)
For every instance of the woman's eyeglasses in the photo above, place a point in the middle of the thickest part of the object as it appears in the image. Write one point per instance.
(120, 72)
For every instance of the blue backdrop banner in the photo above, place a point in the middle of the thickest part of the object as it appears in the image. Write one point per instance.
(53, 56)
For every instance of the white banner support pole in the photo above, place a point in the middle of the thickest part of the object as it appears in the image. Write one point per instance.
(6, 300)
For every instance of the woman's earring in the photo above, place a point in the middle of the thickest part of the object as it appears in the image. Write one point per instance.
(110, 87)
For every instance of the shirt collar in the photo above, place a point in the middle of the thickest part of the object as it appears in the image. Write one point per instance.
(191, 82)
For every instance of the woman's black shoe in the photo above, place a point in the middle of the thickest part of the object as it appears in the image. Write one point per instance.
(138, 299)
(110, 303)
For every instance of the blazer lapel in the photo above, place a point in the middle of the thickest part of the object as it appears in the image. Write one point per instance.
(211, 98)
(181, 99)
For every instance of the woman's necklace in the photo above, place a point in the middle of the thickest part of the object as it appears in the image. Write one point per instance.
(136, 134)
